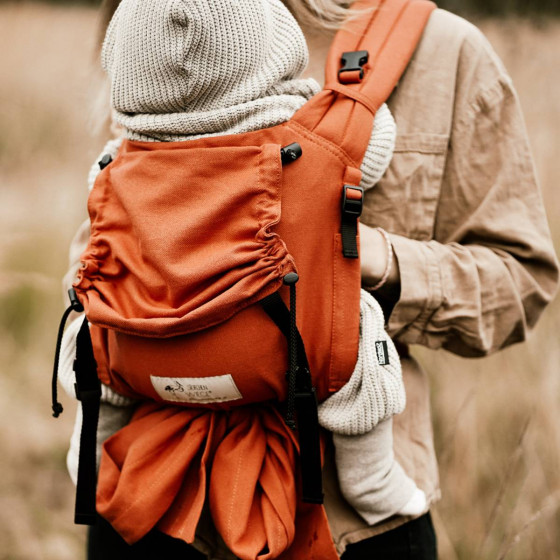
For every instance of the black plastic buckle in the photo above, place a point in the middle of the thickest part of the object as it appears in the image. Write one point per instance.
(353, 61)
(352, 201)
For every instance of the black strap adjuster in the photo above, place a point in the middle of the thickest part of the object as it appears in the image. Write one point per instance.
(352, 201)
(352, 70)
(352, 206)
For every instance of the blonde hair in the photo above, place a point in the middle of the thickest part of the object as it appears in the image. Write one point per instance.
(319, 14)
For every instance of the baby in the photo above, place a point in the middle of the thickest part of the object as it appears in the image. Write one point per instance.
(187, 69)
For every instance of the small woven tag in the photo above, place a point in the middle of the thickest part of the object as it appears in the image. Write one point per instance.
(382, 352)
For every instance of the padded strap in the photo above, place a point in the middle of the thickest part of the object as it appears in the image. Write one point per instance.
(390, 31)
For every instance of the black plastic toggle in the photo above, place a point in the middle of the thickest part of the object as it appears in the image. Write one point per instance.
(290, 153)
(57, 409)
(74, 301)
(105, 161)
(291, 278)
(353, 61)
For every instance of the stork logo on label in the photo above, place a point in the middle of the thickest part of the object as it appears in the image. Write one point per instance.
(175, 388)
(382, 352)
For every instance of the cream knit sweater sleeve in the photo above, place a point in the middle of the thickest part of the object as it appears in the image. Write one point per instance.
(375, 391)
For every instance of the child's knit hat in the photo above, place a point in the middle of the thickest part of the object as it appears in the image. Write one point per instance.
(186, 68)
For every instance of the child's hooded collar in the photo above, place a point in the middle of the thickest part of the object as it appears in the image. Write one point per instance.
(186, 68)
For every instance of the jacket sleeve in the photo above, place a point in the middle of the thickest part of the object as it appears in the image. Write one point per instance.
(484, 279)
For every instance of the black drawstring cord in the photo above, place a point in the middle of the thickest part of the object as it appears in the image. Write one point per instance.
(291, 280)
(301, 402)
(75, 305)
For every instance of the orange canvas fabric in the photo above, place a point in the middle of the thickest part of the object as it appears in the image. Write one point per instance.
(389, 30)
(131, 346)
(185, 238)
(158, 470)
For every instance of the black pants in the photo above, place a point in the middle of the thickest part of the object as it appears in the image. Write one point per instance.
(415, 540)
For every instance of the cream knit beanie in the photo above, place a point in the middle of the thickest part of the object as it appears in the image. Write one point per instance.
(186, 68)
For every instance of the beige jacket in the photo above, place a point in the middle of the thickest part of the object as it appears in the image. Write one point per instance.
(468, 228)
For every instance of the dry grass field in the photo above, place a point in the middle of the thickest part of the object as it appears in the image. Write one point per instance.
(497, 420)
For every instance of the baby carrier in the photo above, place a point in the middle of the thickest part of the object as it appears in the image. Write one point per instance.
(199, 251)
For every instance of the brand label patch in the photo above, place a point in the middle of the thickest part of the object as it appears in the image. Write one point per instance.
(201, 390)
(382, 352)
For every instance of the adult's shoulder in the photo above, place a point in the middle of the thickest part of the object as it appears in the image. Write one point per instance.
(445, 26)
(453, 68)
(450, 41)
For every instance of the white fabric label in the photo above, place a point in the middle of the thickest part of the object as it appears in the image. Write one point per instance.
(201, 390)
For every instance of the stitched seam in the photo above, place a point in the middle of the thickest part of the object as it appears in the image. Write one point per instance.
(322, 142)
(233, 497)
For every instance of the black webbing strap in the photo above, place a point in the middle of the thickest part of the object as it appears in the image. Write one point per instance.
(349, 236)
(305, 406)
(88, 391)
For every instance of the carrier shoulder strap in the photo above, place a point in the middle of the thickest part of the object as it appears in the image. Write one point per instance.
(366, 60)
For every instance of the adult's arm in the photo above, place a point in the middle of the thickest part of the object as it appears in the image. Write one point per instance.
(483, 280)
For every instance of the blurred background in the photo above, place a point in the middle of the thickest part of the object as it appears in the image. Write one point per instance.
(497, 420)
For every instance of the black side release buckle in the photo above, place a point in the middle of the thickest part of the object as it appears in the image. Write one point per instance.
(352, 206)
(352, 71)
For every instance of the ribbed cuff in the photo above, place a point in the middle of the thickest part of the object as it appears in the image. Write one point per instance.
(421, 289)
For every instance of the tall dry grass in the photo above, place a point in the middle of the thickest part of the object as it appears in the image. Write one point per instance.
(45, 151)
(496, 420)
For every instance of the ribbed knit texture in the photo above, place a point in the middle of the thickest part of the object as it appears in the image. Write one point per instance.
(184, 68)
(374, 392)
(380, 148)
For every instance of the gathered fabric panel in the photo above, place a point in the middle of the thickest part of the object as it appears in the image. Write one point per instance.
(158, 471)
(188, 245)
